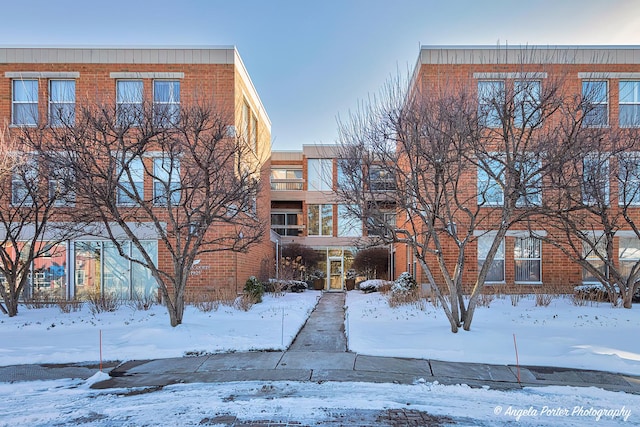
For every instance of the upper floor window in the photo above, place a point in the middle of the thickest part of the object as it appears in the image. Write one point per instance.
(491, 97)
(490, 177)
(129, 102)
(24, 182)
(286, 179)
(320, 174)
(526, 102)
(629, 103)
(131, 182)
(595, 180)
(62, 102)
(595, 98)
(61, 186)
(24, 104)
(629, 179)
(285, 223)
(166, 102)
(320, 220)
(166, 181)
(491, 181)
(249, 126)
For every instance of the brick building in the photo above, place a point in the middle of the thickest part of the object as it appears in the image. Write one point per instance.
(609, 77)
(37, 81)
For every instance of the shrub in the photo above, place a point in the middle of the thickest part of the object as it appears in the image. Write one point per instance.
(103, 302)
(254, 290)
(373, 263)
(404, 283)
(375, 285)
(205, 299)
(66, 306)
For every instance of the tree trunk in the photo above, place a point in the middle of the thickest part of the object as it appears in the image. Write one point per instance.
(12, 306)
(627, 298)
(469, 314)
(176, 310)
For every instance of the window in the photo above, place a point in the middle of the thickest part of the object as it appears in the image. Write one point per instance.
(526, 102)
(254, 133)
(166, 102)
(496, 271)
(528, 260)
(349, 174)
(490, 177)
(629, 111)
(381, 179)
(596, 103)
(596, 258)
(130, 182)
(320, 221)
(166, 181)
(491, 98)
(129, 102)
(61, 189)
(530, 182)
(285, 223)
(379, 223)
(286, 179)
(24, 182)
(62, 102)
(320, 174)
(249, 127)
(349, 222)
(629, 179)
(595, 180)
(628, 255)
(24, 104)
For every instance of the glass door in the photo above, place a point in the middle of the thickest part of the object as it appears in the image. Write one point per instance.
(335, 274)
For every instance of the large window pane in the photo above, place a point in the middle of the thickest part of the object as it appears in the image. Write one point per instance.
(320, 220)
(25, 102)
(320, 174)
(527, 102)
(166, 102)
(596, 103)
(129, 102)
(115, 271)
(491, 98)
(50, 272)
(629, 103)
(131, 182)
(595, 180)
(87, 263)
(629, 179)
(596, 257)
(490, 190)
(528, 262)
(496, 270)
(166, 183)
(62, 102)
(349, 223)
(143, 283)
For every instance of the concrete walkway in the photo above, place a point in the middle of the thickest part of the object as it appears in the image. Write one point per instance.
(319, 353)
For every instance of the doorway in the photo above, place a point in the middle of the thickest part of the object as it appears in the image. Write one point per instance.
(335, 274)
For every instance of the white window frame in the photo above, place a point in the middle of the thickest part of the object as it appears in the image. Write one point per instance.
(129, 104)
(634, 103)
(488, 184)
(489, 113)
(24, 173)
(166, 181)
(587, 121)
(136, 181)
(628, 254)
(56, 106)
(592, 258)
(629, 179)
(517, 247)
(483, 249)
(524, 94)
(602, 168)
(32, 118)
(349, 223)
(167, 112)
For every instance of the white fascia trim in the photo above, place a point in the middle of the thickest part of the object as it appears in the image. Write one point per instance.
(515, 76)
(42, 74)
(511, 233)
(589, 75)
(146, 75)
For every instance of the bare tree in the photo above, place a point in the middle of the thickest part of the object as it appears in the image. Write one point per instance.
(466, 165)
(29, 197)
(584, 218)
(203, 197)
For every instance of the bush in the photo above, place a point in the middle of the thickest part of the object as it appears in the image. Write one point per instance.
(373, 263)
(103, 302)
(279, 287)
(404, 284)
(254, 290)
(375, 285)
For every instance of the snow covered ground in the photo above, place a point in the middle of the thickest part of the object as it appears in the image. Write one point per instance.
(561, 334)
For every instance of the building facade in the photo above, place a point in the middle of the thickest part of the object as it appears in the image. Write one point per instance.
(36, 82)
(604, 78)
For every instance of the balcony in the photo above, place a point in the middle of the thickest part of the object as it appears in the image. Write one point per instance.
(287, 184)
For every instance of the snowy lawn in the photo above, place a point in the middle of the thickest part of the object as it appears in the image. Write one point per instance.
(46, 335)
(591, 337)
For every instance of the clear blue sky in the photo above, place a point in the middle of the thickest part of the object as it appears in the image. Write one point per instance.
(312, 61)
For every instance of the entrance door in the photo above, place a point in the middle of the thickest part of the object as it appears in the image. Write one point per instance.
(335, 274)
